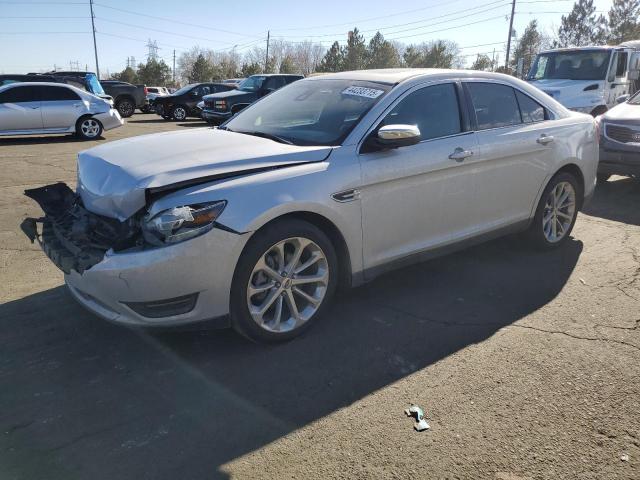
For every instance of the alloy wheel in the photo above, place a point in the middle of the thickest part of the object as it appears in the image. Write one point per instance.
(559, 211)
(287, 285)
(179, 113)
(90, 128)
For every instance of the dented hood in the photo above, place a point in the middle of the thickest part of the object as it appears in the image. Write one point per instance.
(113, 178)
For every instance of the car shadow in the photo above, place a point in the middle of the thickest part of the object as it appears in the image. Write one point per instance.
(617, 199)
(86, 399)
(45, 139)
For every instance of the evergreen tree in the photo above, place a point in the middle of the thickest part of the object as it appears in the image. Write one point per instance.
(582, 26)
(412, 57)
(154, 72)
(201, 71)
(527, 47)
(624, 21)
(381, 53)
(128, 75)
(249, 69)
(333, 60)
(288, 65)
(355, 53)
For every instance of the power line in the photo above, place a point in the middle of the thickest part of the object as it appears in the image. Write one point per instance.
(174, 21)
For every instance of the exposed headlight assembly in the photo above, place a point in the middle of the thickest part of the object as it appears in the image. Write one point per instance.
(181, 223)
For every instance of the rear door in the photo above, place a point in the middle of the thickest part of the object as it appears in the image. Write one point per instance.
(61, 107)
(20, 109)
(517, 149)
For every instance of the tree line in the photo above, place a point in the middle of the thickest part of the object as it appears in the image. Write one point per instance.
(582, 26)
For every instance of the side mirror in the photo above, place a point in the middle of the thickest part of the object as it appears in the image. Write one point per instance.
(623, 98)
(394, 136)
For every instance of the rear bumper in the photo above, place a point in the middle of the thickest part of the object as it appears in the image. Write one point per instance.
(110, 119)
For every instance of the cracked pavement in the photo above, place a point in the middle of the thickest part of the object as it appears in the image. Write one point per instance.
(527, 364)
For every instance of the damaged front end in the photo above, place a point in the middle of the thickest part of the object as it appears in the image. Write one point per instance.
(73, 237)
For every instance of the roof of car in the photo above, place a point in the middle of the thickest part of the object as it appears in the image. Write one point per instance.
(397, 75)
(40, 84)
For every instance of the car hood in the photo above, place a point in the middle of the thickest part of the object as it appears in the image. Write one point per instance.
(571, 93)
(625, 112)
(231, 95)
(113, 179)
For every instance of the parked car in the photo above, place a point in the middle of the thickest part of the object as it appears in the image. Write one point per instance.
(126, 97)
(219, 107)
(152, 93)
(233, 81)
(84, 80)
(620, 140)
(331, 180)
(38, 108)
(182, 103)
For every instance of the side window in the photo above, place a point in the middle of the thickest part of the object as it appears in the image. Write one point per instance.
(20, 94)
(289, 80)
(274, 83)
(494, 105)
(204, 90)
(612, 70)
(49, 94)
(530, 110)
(434, 110)
(621, 68)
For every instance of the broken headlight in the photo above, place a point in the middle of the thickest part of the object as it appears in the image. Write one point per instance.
(181, 223)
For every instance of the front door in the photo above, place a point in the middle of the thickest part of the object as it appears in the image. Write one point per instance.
(421, 196)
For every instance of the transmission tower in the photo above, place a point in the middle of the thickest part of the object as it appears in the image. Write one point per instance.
(153, 50)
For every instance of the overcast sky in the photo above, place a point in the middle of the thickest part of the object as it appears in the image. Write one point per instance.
(220, 25)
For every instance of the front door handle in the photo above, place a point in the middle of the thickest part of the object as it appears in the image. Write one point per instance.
(544, 139)
(459, 154)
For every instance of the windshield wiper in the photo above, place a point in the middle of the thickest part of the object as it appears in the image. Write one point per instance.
(270, 136)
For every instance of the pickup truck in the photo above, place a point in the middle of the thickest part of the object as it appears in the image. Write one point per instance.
(126, 97)
(219, 107)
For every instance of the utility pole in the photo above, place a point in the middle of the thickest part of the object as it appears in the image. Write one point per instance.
(174, 67)
(266, 60)
(513, 11)
(95, 45)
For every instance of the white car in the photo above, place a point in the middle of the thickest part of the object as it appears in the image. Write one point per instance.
(152, 94)
(330, 180)
(38, 108)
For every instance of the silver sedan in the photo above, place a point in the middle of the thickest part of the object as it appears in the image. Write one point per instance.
(39, 108)
(329, 181)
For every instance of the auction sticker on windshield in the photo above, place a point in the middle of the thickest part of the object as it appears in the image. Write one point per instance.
(363, 92)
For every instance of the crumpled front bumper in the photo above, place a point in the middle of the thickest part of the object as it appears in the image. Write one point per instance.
(119, 278)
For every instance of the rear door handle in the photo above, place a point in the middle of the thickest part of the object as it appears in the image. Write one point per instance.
(544, 139)
(459, 154)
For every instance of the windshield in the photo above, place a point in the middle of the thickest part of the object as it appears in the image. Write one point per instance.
(184, 89)
(94, 85)
(571, 65)
(252, 84)
(312, 112)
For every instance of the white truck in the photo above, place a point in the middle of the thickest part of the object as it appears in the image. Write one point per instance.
(588, 79)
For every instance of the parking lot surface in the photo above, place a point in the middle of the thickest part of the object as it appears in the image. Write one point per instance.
(526, 364)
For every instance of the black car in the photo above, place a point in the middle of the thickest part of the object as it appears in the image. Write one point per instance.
(126, 97)
(221, 106)
(620, 140)
(182, 103)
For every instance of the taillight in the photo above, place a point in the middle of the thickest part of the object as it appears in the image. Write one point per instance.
(145, 91)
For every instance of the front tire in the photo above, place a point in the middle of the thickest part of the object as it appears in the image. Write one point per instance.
(88, 128)
(179, 113)
(556, 212)
(284, 281)
(125, 107)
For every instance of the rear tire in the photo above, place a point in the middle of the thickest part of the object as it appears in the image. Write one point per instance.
(125, 107)
(556, 213)
(271, 274)
(88, 128)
